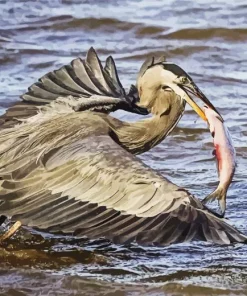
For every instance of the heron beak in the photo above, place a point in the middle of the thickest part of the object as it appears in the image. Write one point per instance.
(194, 106)
(194, 90)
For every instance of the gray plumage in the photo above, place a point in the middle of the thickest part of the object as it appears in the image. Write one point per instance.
(67, 166)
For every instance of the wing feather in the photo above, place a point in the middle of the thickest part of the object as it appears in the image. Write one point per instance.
(95, 71)
(63, 75)
(86, 79)
(111, 70)
(93, 187)
(50, 84)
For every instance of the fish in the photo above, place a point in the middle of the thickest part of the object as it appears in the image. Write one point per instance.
(225, 157)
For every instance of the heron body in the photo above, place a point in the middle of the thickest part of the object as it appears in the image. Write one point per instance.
(67, 166)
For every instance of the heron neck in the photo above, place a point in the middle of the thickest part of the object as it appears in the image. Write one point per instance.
(141, 136)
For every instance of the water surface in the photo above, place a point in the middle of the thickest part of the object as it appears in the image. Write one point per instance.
(207, 39)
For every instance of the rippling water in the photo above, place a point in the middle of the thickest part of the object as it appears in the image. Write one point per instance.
(208, 39)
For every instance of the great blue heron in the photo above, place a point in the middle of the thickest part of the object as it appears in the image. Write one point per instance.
(67, 166)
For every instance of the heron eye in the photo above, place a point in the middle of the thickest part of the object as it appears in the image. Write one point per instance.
(183, 80)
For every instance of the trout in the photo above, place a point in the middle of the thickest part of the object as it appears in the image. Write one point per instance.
(225, 157)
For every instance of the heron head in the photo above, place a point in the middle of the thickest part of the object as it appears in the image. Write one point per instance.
(160, 81)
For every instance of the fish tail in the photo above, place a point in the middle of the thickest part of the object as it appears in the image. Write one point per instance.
(220, 195)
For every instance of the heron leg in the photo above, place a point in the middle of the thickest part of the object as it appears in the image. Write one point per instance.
(11, 231)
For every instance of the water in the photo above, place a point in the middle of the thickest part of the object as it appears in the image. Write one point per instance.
(207, 39)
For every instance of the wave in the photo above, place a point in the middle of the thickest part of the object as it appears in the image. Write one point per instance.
(233, 34)
(66, 22)
(92, 23)
(139, 29)
(143, 52)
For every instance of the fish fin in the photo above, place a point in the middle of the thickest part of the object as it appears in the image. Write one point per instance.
(220, 195)
(222, 203)
(210, 198)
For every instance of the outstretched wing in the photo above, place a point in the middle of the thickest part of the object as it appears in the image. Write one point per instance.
(92, 187)
(82, 78)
